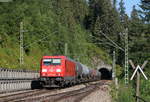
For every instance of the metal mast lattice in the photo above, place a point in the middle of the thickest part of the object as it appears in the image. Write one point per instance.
(126, 58)
(21, 44)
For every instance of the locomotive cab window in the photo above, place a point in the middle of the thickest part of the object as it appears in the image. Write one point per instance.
(52, 61)
(56, 61)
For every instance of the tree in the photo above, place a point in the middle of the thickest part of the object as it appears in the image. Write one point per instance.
(103, 14)
(114, 3)
(139, 36)
(122, 11)
(49, 24)
(123, 16)
(145, 12)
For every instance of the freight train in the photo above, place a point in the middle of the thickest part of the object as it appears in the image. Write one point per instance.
(61, 71)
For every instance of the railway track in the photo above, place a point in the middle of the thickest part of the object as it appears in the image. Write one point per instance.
(55, 95)
(73, 96)
(18, 96)
(2, 95)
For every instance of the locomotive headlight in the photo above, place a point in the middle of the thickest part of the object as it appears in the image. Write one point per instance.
(58, 70)
(44, 70)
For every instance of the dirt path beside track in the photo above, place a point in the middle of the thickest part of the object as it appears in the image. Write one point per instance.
(100, 95)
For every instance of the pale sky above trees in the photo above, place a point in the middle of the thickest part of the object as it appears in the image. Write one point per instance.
(129, 5)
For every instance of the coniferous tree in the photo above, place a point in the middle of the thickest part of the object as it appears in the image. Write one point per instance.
(138, 38)
(101, 12)
(114, 3)
(145, 12)
(122, 11)
(49, 24)
(139, 48)
(103, 20)
(123, 16)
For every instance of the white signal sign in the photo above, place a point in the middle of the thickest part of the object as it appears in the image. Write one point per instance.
(138, 68)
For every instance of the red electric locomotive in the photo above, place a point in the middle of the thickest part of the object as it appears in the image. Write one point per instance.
(55, 71)
(60, 71)
(57, 66)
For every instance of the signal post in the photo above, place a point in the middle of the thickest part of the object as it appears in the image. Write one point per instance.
(137, 71)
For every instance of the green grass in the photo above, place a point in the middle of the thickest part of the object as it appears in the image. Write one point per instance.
(123, 94)
(10, 54)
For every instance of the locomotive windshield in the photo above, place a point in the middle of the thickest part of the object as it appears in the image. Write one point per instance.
(52, 61)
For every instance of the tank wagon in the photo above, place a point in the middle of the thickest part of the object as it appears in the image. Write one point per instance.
(61, 71)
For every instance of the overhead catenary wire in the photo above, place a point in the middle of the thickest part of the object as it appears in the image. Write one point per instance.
(39, 40)
(112, 42)
(115, 44)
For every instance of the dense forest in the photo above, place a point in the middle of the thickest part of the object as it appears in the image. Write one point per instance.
(81, 29)
(48, 26)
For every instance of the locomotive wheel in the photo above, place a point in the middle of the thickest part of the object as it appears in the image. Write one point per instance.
(62, 85)
(73, 83)
(70, 84)
(36, 85)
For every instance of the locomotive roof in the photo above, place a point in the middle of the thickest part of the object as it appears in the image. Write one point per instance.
(62, 56)
(59, 56)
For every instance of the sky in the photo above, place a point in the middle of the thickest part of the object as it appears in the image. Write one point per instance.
(129, 5)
